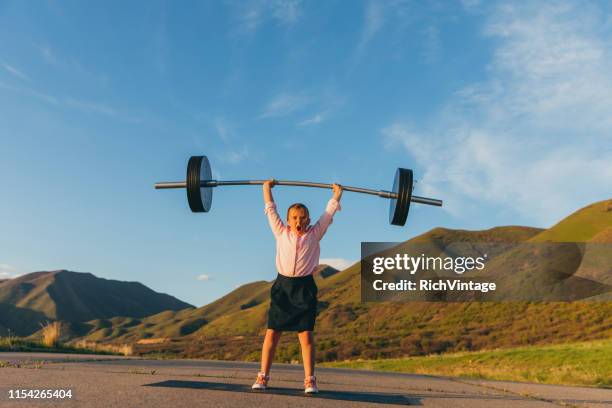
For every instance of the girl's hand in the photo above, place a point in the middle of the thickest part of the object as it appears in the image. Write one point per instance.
(269, 183)
(267, 190)
(337, 191)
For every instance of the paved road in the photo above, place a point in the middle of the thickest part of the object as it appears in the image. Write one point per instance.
(110, 381)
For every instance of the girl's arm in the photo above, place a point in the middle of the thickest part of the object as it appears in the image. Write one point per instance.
(327, 218)
(267, 191)
(276, 224)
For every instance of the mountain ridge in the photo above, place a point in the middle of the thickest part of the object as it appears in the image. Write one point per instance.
(81, 296)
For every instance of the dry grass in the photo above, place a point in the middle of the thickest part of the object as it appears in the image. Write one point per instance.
(51, 334)
(156, 340)
(50, 340)
(124, 349)
(9, 341)
(51, 343)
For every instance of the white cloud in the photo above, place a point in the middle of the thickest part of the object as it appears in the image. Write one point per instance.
(250, 15)
(15, 72)
(316, 119)
(9, 271)
(534, 138)
(41, 96)
(395, 15)
(469, 4)
(337, 263)
(325, 103)
(283, 105)
(374, 18)
(6, 268)
(82, 105)
(321, 103)
(286, 11)
(224, 128)
(234, 156)
(203, 277)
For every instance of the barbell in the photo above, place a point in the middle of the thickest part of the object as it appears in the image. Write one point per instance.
(199, 184)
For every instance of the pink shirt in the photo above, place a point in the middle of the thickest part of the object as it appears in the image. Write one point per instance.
(299, 255)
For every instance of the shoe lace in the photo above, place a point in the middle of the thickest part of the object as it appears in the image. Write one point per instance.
(262, 378)
(310, 382)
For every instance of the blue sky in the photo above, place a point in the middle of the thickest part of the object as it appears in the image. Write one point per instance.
(502, 110)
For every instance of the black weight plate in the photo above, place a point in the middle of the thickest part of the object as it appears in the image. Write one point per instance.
(393, 201)
(206, 192)
(199, 198)
(402, 186)
(409, 187)
(193, 187)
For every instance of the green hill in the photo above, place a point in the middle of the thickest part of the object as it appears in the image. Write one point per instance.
(582, 226)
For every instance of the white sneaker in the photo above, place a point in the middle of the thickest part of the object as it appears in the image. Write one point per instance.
(310, 385)
(261, 383)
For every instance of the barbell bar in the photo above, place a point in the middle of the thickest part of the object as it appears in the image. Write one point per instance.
(199, 185)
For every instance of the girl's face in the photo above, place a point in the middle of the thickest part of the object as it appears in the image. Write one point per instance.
(298, 220)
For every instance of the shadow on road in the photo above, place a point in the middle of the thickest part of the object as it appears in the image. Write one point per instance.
(378, 398)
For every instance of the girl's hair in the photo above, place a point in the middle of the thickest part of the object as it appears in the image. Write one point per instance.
(298, 206)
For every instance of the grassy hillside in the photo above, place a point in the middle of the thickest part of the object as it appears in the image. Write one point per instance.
(582, 226)
(585, 363)
(602, 237)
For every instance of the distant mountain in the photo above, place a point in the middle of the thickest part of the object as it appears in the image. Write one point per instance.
(78, 297)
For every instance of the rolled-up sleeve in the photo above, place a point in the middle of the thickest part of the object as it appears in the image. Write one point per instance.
(326, 218)
(276, 224)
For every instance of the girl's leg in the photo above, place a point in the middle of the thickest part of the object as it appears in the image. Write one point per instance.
(308, 351)
(268, 349)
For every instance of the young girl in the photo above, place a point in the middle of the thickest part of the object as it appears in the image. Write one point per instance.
(293, 304)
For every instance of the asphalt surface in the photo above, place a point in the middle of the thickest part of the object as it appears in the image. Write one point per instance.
(111, 381)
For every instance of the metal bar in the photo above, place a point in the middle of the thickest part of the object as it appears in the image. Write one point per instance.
(425, 200)
(171, 184)
(379, 193)
(294, 183)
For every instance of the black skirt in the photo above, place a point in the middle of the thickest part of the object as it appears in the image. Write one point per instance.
(293, 304)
